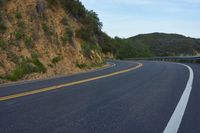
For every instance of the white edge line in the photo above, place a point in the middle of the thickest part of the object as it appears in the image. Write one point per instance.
(176, 118)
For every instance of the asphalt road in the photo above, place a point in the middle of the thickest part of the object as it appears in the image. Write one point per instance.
(141, 100)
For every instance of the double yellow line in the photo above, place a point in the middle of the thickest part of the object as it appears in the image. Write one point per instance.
(67, 84)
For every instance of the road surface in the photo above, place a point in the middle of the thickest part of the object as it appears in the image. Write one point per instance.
(144, 97)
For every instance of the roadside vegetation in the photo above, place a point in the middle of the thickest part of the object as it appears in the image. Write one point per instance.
(24, 67)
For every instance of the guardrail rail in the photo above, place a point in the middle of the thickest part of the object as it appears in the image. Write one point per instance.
(191, 59)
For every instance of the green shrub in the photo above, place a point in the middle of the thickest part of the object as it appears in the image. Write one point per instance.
(39, 66)
(67, 37)
(19, 35)
(52, 2)
(28, 41)
(57, 59)
(88, 47)
(81, 65)
(74, 7)
(50, 65)
(34, 55)
(197, 61)
(20, 71)
(90, 65)
(25, 66)
(3, 27)
(21, 24)
(47, 30)
(18, 14)
(85, 34)
(2, 44)
(2, 3)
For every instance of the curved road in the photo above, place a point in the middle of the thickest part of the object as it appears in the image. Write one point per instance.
(125, 98)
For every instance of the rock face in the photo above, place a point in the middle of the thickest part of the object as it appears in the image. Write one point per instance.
(40, 7)
(33, 34)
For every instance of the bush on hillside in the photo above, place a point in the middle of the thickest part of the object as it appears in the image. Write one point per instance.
(20, 71)
(67, 37)
(2, 44)
(18, 34)
(56, 59)
(47, 30)
(18, 14)
(2, 3)
(24, 67)
(3, 27)
(39, 66)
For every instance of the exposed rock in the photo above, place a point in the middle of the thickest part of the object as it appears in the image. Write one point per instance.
(40, 7)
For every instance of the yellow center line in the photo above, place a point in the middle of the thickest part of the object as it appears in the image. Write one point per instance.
(67, 84)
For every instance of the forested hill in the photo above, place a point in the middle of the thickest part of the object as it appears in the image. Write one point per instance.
(158, 44)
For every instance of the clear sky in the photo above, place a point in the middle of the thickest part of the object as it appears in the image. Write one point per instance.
(125, 18)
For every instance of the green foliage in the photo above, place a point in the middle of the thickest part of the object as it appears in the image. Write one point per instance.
(2, 44)
(89, 65)
(81, 65)
(18, 14)
(2, 3)
(3, 27)
(21, 24)
(130, 50)
(39, 66)
(47, 30)
(56, 59)
(28, 41)
(161, 44)
(35, 54)
(109, 44)
(50, 65)
(92, 27)
(52, 2)
(198, 61)
(67, 37)
(20, 71)
(19, 34)
(88, 47)
(85, 34)
(74, 7)
(24, 67)
(92, 22)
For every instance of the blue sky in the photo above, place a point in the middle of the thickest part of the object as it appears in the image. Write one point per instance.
(125, 18)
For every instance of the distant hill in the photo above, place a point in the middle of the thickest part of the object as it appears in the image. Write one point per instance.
(169, 44)
(160, 44)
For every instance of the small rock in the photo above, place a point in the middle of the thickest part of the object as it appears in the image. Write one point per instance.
(40, 7)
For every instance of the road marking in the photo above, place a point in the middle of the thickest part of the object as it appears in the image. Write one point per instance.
(67, 84)
(176, 118)
(32, 81)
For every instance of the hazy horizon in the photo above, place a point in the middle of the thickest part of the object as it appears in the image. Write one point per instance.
(125, 18)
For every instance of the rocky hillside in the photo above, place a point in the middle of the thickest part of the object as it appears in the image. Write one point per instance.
(44, 38)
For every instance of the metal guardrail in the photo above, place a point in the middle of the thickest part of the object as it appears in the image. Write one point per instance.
(194, 59)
